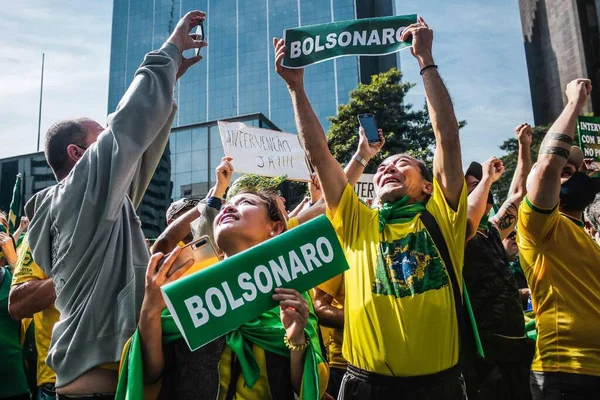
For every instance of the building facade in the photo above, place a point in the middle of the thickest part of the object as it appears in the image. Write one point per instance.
(36, 173)
(236, 77)
(37, 176)
(562, 43)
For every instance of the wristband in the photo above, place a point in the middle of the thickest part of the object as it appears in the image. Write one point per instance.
(293, 347)
(427, 67)
(360, 160)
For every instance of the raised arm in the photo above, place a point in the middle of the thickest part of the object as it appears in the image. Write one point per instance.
(180, 228)
(477, 201)
(447, 162)
(365, 152)
(544, 186)
(119, 160)
(506, 217)
(21, 229)
(310, 132)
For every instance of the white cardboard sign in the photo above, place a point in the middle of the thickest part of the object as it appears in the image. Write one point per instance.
(264, 151)
(364, 188)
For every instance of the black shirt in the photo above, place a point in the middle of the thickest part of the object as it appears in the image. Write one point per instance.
(492, 288)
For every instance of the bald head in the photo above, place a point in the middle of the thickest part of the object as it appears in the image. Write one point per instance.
(66, 141)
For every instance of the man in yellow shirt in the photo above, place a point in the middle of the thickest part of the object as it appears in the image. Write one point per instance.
(401, 330)
(562, 262)
(32, 295)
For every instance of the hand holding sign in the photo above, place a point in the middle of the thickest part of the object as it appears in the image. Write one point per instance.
(294, 314)
(422, 42)
(292, 77)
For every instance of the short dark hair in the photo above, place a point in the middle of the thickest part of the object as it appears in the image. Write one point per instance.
(58, 137)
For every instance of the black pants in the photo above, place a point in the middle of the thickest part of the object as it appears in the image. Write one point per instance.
(564, 386)
(98, 396)
(359, 384)
(335, 381)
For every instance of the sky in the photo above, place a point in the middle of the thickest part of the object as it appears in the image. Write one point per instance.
(478, 47)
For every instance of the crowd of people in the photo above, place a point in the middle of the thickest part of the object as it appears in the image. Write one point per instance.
(438, 303)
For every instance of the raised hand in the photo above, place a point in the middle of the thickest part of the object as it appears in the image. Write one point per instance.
(368, 150)
(183, 40)
(224, 172)
(422, 41)
(524, 134)
(294, 78)
(158, 274)
(24, 224)
(578, 91)
(493, 169)
(294, 314)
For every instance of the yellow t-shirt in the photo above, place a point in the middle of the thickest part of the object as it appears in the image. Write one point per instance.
(400, 317)
(27, 270)
(562, 265)
(261, 389)
(334, 338)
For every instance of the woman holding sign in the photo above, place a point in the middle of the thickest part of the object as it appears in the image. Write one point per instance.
(274, 356)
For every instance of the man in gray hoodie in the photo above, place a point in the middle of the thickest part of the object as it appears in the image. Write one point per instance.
(84, 231)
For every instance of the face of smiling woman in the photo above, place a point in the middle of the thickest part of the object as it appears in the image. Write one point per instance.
(245, 221)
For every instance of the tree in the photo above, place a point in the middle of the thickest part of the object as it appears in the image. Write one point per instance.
(406, 130)
(511, 147)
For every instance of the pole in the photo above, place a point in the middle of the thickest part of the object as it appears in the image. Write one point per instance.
(40, 110)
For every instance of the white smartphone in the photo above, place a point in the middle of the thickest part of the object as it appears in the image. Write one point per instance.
(202, 251)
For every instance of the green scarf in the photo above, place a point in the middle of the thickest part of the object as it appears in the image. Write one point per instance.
(265, 331)
(399, 212)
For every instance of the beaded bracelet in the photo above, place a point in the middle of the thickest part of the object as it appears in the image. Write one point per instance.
(293, 347)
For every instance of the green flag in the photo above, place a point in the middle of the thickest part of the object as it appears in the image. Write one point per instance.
(588, 131)
(368, 36)
(15, 205)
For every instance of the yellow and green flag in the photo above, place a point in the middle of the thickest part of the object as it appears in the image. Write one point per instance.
(15, 205)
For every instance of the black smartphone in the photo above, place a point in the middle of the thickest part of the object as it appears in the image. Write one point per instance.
(199, 35)
(367, 121)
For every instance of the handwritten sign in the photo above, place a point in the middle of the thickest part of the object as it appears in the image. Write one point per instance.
(364, 188)
(264, 151)
(588, 129)
(219, 299)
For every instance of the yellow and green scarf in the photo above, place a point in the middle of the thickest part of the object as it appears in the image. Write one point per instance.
(265, 331)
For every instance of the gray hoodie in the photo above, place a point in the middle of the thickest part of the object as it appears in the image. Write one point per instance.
(84, 231)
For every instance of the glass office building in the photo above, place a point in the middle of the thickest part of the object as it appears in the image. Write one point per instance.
(236, 76)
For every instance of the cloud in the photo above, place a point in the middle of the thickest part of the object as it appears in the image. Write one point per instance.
(76, 39)
(479, 49)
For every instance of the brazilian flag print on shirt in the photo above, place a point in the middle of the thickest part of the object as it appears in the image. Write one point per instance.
(400, 316)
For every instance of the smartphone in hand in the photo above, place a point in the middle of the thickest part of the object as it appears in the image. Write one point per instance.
(367, 121)
(199, 34)
(202, 251)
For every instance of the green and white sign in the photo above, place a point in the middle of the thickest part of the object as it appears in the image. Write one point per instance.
(219, 299)
(368, 37)
(588, 129)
